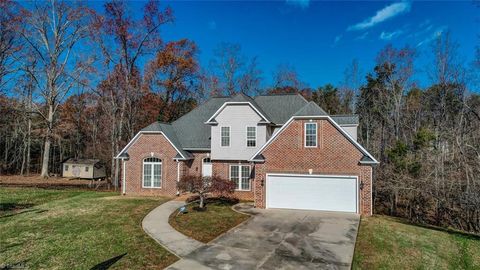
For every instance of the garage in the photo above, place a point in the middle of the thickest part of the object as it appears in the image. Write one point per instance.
(312, 192)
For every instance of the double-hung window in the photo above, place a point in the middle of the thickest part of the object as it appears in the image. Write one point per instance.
(251, 136)
(240, 174)
(225, 136)
(310, 134)
(152, 173)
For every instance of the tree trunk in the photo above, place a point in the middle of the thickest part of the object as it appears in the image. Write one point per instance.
(29, 140)
(201, 200)
(48, 142)
(46, 156)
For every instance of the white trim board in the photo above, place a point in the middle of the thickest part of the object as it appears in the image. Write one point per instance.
(337, 126)
(132, 141)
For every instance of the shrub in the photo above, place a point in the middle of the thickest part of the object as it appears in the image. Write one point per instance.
(201, 186)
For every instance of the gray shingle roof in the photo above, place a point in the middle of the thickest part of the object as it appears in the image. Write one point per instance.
(279, 108)
(311, 109)
(171, 134)
(346, 119)
(190, 131)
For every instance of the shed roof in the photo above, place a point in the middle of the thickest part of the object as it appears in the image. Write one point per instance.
(82, 161)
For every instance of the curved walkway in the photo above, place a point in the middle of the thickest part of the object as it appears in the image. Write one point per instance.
(156, 225)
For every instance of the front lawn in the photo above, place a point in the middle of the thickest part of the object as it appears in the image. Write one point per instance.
(206, 225)
(74, 229)
(390, 243)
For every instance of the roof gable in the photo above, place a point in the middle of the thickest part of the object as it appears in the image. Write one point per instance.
(240, 99)
(367, 159)
(311, 109)
(280, 108)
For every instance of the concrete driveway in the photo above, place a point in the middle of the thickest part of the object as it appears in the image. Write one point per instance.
(281, 239)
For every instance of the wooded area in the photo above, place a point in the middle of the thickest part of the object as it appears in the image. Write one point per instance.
(79, 83)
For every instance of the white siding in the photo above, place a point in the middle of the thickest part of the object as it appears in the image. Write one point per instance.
(77, 170)
(351, 130)
(237, 117)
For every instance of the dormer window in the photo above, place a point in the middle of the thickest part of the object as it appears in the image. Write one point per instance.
(251, 136)
(225, 136)
(310, 134)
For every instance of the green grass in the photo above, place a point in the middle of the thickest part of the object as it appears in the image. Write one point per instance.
(71, 229)
(391, 243)
(205, 226)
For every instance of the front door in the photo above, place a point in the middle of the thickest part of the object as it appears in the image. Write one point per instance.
(206, 167)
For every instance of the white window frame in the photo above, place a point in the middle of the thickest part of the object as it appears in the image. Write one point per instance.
(247, 139)
(66, 167)
(87, 168)
(229, 136)
(239, 186)
(151, 168)
(305, 135)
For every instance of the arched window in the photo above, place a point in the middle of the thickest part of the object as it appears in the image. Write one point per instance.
(152, 172)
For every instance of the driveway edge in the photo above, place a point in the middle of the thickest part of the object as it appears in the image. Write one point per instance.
(156, 225)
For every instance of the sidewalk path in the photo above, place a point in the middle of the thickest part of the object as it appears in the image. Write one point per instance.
(156, 225)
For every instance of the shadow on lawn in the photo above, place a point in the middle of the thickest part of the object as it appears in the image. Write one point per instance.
(14, 206)
(12, 209)
(463, 234)
(106, 264)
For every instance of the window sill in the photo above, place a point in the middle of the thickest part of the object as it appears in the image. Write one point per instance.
(242, 190)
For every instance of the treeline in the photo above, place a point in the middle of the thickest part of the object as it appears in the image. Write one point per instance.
(80, 83)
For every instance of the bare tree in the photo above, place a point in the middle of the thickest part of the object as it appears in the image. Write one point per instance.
(124, 40)
(10, 44)
(397, 66)
(350, 86)
(250, 81)
(228, 63)
(52, 30)
(286, 76)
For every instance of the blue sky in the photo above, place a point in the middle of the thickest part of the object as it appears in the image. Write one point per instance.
(321, 38)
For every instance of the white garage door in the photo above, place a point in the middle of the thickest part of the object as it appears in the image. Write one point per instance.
(310, 192)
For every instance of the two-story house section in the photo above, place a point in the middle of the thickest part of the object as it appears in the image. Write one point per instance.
(280, 150)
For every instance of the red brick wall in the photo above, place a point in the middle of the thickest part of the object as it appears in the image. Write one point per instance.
(145, 145)
(194, 166)
(334, 155)
(222, 169)
(161, 148)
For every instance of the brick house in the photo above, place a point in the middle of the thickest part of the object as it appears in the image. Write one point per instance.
(281, 150)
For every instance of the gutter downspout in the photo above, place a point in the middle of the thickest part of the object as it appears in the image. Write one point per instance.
(178, 175)
(123, 180)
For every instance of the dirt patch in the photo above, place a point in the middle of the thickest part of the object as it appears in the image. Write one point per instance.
(53, 182)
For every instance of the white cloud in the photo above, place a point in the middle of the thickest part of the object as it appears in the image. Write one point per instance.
(337, 39)
(390, 35)
(435, 34)
(303, 4)
(385, 13)
(362, 36)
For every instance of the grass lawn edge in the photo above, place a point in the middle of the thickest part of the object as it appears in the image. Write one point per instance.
(172, 222)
